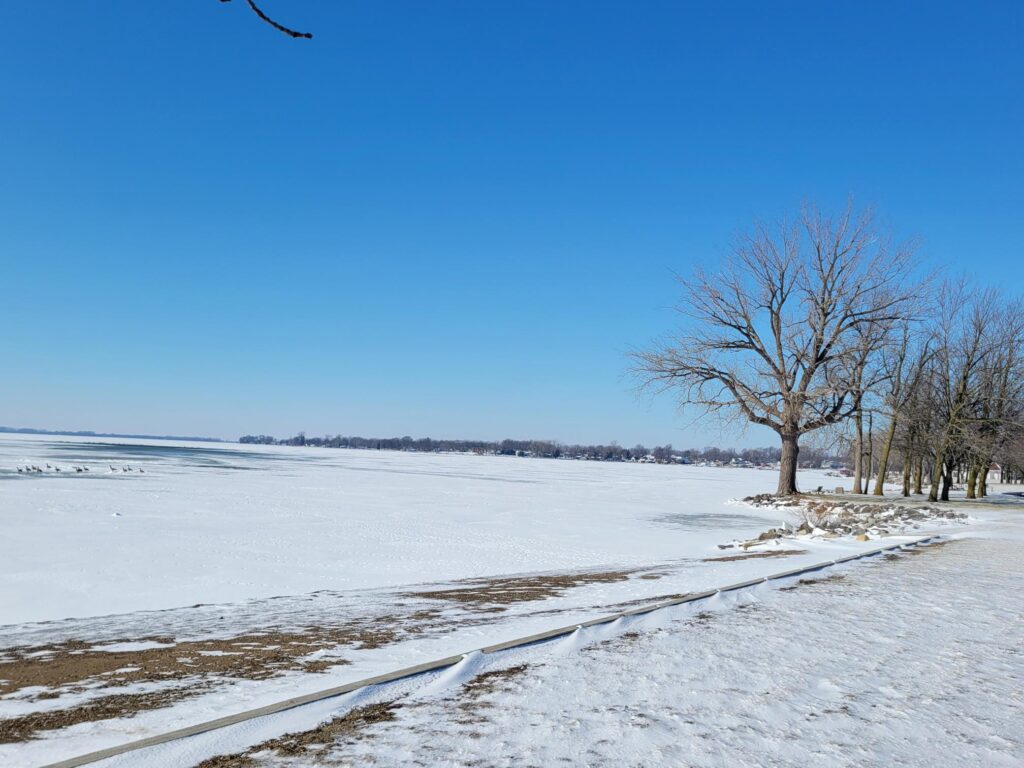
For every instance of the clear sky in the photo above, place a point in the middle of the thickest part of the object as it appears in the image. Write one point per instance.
(452, 219)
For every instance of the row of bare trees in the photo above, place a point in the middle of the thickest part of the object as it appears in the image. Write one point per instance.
(951, 405)
(825, 325)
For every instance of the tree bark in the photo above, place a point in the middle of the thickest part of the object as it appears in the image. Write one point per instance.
(883, 460)
(972, 480)
(947, 481)
(788, 464)
(906, 477)
(919, 475)
(858, 452)
(936, 475)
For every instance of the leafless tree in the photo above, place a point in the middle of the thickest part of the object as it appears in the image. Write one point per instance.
(774, 335)
(997, 396)
(904, 364)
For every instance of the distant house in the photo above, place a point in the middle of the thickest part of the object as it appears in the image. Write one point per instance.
(995, 474)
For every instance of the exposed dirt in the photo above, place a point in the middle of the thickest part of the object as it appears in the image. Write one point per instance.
(931, 547)
(825, 580)
(486, 682)
(488, 594)
(253, 656)
(752, 555)
(310, 744)
(624, 606)
(181, 669)
(75, 666)
(26, 727)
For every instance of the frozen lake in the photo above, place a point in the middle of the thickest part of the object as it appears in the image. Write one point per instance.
(215, 523)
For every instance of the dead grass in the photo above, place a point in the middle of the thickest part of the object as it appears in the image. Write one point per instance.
(491, 594)
(309, 745)
(835, 577)
(254, 656)
(752, 555)
(25, 727)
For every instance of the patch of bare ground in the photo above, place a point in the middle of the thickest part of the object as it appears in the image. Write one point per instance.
(309, 745)
(752, 555)
(25, 727)
(646, 601)
(254, 656)
(931, 548)
(471, 700)
(489, 594)
(188, 667)
(832, 579)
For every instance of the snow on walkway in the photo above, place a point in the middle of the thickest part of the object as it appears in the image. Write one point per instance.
(911, 660)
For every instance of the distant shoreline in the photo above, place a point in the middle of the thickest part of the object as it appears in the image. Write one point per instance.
(87, 433)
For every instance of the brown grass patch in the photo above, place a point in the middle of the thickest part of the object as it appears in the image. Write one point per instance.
(25, 727)
(926, 547)
(311, 743)
(487, 682)
(646, 601)
(68, 666)
(254, 656)
(752, 555)
(835, 577)
(487, 594)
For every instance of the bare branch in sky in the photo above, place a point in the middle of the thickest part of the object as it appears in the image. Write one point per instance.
(279, 27)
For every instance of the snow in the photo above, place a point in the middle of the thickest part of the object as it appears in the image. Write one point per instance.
(912, 661)
(212, 523)
(143, 645)
(219, 540)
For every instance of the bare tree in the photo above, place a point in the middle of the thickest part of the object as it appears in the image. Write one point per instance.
(964, 347)
(904, 363)
(775, 334)
(266, 19)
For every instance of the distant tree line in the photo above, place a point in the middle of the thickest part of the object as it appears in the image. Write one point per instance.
(549, 449)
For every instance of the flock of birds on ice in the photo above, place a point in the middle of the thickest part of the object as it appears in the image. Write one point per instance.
(48, 468)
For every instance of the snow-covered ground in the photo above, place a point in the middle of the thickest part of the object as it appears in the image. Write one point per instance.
(217, 523)
(911, 662)
(226, 577)
(912, 659)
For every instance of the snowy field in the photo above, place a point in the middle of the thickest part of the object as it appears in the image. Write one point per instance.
(210, 523)
(224, 577)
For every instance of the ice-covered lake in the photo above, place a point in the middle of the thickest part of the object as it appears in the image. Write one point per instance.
(213, 523)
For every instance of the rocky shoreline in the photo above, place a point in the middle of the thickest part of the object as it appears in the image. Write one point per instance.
(821, 518)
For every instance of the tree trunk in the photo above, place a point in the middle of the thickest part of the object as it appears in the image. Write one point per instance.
(936, 475)
(919, 475)
(788, 464)
(972, 480)
(858, 452)
(983, 479)
(906, 477)
(869, 456)
(883, 460)
(947, 481)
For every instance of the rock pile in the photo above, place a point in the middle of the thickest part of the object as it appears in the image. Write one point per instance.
(832, 519)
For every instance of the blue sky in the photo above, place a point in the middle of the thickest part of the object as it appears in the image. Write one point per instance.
(452, 218)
